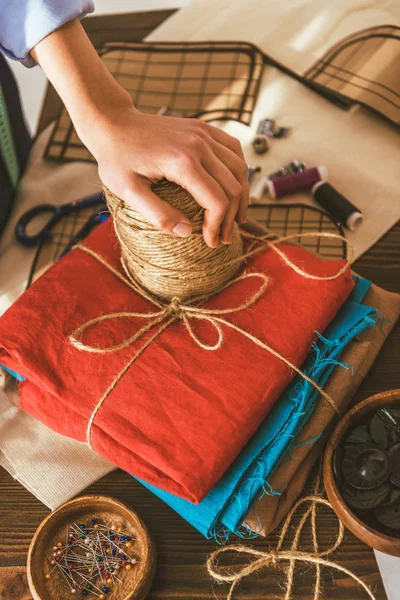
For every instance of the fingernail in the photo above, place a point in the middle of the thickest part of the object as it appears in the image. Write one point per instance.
(227, 240)
(182, 229)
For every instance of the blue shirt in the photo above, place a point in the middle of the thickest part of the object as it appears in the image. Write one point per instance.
(23, 23)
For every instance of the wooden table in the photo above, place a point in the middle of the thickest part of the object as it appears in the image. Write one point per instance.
(182, 551)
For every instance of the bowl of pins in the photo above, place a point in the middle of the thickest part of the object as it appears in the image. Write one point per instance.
(93, 547)
(362, 471)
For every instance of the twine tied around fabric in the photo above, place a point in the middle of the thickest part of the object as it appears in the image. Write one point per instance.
(177, 277)
(171, 311)
(275, 556)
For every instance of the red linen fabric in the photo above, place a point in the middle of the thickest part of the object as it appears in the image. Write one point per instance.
(181, 414)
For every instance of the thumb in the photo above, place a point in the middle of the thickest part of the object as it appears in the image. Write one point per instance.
(160, 214)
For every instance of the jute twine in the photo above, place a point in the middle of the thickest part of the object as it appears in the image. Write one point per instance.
(174, 309)
(177, 275)
(168, 265)
(276, 556)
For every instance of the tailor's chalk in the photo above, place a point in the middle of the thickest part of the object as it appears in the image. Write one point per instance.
(296, 182)
(257, 189)
(337, 205)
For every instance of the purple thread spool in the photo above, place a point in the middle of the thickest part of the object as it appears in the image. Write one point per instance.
(296, 182)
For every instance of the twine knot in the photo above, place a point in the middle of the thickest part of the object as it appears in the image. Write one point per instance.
(274, 556)
(175, 308)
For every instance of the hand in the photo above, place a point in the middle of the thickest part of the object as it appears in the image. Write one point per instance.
(134, 150)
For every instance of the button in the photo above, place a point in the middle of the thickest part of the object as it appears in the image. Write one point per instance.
(366, 466)
(365, 499)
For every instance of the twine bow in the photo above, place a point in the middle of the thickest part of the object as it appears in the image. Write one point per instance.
(186, 312)
(275, 556)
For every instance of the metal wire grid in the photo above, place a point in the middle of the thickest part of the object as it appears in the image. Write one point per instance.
(289, 219)
(211, 81)
(282, 219)
(63, 231)
(363, 68)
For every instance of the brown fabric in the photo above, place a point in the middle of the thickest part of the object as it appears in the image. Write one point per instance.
(289, 479)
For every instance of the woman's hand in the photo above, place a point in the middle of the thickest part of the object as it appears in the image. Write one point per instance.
(133, 149)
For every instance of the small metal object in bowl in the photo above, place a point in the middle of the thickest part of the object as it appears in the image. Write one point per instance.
(362, 471)
(60, 537)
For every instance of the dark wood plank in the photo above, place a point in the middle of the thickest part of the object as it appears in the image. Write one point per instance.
(182, 551)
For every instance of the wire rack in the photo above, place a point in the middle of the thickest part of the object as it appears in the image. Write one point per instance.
(289, 219)
(211, 81)
(282, 219)
(48, 251)
(363, 68)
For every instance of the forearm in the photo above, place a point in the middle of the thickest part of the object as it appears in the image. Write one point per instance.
(73, 66)
(133, 149)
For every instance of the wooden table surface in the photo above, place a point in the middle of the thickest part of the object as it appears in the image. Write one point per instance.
(182, 551)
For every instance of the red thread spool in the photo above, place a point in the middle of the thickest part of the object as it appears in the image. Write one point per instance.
(296, 182)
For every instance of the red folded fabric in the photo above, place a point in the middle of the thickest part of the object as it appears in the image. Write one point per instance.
(180, 414)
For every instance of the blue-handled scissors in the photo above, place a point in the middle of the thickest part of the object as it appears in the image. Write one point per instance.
(56, 213)
(95, 219)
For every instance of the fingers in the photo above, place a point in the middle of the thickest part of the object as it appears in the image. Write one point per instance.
(221, 169)
(238, 168)
(232, 188)
(224, 139)
(229, 150)
(139, 196)
(207, 192)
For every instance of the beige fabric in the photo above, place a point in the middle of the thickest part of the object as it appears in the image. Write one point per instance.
(295, 33)
(52, 467)
(290, 477)
(359, 148)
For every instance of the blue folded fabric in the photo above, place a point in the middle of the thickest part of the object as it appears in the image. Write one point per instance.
(17, 376)
(223, 510)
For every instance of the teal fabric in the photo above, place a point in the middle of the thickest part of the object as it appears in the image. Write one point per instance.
(13, 373)
(224, 508)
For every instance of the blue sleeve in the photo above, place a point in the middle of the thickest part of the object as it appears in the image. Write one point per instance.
(23, 23)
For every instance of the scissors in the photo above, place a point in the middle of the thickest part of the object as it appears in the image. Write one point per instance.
(56, 214)
(95, 219)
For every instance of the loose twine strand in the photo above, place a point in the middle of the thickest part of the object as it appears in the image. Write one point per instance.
(174, 310)
(177, 276)
(143, 252)
(274, 556)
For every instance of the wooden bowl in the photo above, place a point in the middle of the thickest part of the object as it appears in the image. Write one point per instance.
(136, 582)
(372, 537)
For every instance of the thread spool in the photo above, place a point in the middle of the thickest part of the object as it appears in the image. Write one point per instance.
(296, 182)
(257, 189)
(167, 265)
(337, 205)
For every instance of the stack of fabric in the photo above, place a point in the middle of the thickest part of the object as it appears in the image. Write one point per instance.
(205, 430)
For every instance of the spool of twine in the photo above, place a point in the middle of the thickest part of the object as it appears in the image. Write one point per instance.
(167, 265)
